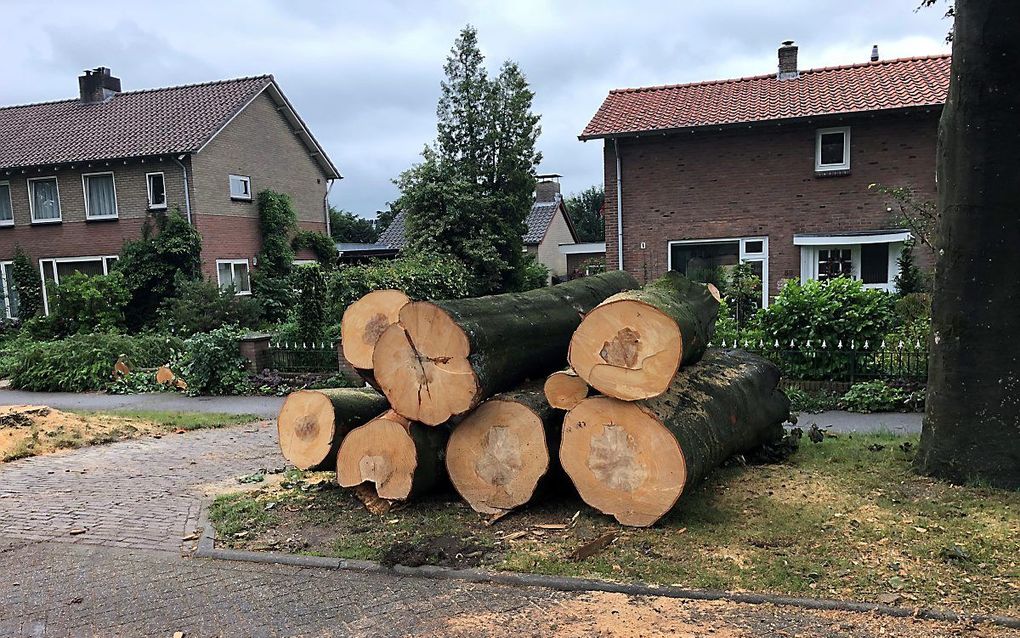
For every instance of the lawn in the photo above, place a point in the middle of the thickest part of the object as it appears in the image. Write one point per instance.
(33, 430)
(845, 518)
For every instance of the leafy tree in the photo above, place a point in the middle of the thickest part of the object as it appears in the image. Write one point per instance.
(743, 293)
(585, 210)
(270, 282)
(345, 226)
(920, 216)
(970, 424)
(154, 265)
(383, 218)
(27, 284)
(910, 279)
(311, 307)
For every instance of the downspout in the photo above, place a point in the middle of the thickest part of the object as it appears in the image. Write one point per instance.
(325, 206)
(619, 207)
(187, 189)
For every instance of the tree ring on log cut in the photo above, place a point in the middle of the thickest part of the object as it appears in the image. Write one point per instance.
(421, 365)
(627, 349)
(497, 455)
(365, 321)
(306, 427)
(622, 460)
(380, 453)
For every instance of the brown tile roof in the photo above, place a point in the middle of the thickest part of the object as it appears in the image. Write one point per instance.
(872, 86)
(171, 120)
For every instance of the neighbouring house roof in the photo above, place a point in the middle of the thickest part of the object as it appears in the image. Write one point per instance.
(165, 121)
(873, 86)
(591, 247)
(355, 247)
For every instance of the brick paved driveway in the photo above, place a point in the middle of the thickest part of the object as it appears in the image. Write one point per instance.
(125, 574)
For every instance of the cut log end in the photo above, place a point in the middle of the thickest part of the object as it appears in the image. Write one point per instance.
(306, 428)
(622, 460)
(381, 454)
(497, 455)
(365, 321)
(564, 389)
(627, 349)
(421, 365)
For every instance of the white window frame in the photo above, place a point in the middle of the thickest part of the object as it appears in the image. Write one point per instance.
(243, 179)
(148, 191)
(10, 202)
(233, 262)
(53, 261)
(31, 201)
(842, 166)
(743, 256)
(85, 192)
(809, 262)
(3, 288)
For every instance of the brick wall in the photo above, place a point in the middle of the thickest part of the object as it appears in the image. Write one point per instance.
(761, 181)
(231, 237)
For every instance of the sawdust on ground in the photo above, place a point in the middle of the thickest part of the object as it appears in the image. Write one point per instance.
(30, 430)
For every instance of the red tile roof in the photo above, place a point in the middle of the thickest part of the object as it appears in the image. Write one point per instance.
(171, 120)
(872, 86)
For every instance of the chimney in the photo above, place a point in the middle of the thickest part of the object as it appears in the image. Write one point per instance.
(97, 85)
(548, 187)
(787, 61)
(874, 53)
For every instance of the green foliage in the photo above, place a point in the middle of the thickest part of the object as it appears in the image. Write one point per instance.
(384, 218)
(742, 290)
(319, 243)
(419, 276)
(90, 303)
(920, 216)
(84, 362)
(811, 402)
(534, 274)
(345, 226)
(910, 280)
(873, 396)
(155, 266)
(585, 210)
(28, 285)
(212, 363)
(201, 306)
(270, 282)
(311, 303)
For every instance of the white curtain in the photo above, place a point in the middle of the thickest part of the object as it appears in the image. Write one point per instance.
(44, 199)
(102, 201)
(6, 214)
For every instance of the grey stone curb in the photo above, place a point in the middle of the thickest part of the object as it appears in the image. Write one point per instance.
(207, 549)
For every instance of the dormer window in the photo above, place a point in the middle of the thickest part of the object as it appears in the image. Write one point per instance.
(832, 149)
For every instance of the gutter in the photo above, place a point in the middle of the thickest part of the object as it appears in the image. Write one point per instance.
(187, 188)
(619, 207)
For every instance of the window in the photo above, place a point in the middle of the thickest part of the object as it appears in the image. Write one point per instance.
(871, 257)
(835, 262)
(8, 294)
(832, 149)
(44, 200)
(155, 186)
(232, 274)
(6, 208)
(875, 263)
(56, 268)
(240, 187)
(100, 196)
(711, 261)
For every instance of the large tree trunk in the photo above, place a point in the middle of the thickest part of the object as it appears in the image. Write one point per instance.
(633, 460)
(312, 423)
(632, 345)
(444, 357)
(397, 457)
(363, 323)
(564, 389)
(972, 419)
(499, 453)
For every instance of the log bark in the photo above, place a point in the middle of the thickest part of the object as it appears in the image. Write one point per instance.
(443, 358)
(363, 323)
(312, 423)
(497, 456)
(633, 460)
(631, 346)
(971, 426)
(564, 389)
(396, 457)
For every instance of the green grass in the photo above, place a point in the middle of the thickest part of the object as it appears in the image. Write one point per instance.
(846, 518)
(178, 420)
(237, 514)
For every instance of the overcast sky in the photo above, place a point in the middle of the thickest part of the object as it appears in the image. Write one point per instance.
(365, 75)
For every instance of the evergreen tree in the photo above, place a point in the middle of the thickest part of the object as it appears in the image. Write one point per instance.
(910, 279)
(27, 285)
(311, 307)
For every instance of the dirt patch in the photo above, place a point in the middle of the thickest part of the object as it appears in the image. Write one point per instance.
(442, 551)
(29, 430)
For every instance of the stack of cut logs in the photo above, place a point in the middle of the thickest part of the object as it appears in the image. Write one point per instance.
(462, 397)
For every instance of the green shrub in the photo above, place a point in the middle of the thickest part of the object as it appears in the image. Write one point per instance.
(419, 276)
(90, 303)
(319, 243)
(270, 283)
(873, 396)
(27, 284)
(311, 305)
(200, 306)
(535, 274)
(811, 402)
(84, 362)
(212, 363)
(742, 290)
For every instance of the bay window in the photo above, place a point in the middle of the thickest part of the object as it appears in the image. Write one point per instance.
(872, 257)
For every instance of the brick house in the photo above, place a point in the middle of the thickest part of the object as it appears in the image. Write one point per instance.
(772, 170)
(79, 177)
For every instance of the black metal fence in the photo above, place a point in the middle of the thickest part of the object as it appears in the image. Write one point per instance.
(291, 356)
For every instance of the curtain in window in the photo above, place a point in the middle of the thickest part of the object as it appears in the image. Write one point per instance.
(6, 214)
(226, 276)
(44, 199)
(102, 201)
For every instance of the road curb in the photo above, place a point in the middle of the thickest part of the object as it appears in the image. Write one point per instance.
(207, 549)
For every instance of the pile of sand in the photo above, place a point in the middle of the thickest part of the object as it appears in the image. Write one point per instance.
(28, 430)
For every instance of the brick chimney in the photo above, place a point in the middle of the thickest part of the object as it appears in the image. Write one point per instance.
(97, 85)
(547, 188)
(788, 61)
